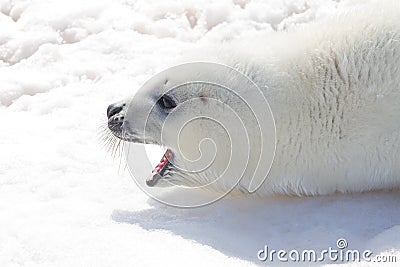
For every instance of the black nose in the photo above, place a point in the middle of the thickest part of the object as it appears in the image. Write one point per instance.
(113, 109)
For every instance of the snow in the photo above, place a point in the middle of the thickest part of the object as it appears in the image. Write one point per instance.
(64, 201)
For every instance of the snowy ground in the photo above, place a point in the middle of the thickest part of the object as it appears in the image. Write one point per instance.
(65, 202)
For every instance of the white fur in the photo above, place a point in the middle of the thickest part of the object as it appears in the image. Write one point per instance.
(334, 90)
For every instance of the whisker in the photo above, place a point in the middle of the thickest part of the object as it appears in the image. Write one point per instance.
(111, 143)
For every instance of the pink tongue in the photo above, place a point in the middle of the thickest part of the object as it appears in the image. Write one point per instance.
(155, 174)
(163, 161)
(160, 165)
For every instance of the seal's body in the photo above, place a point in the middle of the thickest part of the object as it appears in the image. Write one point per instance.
(334, 91)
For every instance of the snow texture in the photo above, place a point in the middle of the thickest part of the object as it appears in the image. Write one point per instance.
(65, 202)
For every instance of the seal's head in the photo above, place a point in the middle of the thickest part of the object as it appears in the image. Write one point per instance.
(173, 113)
(203, 124)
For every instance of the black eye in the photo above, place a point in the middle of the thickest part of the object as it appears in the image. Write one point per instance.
(167, 102)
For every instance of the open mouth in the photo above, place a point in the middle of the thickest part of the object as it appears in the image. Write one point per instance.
(159, 170)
